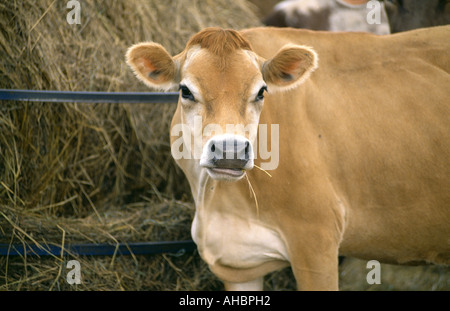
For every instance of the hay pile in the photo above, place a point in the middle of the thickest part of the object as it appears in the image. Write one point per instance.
(66, 157)
(95, 172)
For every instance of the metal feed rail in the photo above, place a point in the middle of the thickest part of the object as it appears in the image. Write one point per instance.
(103, 249)
(140, 248)
(89, 97)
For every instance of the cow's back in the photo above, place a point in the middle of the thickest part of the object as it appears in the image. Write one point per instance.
(267, 41)
(374, 120)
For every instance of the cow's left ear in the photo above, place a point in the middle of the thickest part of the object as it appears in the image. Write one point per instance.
(290, 67)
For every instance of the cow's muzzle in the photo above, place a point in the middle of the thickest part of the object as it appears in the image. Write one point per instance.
(227, 156)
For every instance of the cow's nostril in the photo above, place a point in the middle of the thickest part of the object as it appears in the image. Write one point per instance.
(247, 146)
(213, 148)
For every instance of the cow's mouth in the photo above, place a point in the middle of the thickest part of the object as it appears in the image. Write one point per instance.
(227, 173)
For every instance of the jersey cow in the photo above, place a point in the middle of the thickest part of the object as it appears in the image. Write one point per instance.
(359, 127)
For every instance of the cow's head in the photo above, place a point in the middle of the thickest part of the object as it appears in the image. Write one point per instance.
(222, 84)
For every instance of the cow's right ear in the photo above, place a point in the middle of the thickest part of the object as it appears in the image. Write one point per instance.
(153, 65)
(290, 67)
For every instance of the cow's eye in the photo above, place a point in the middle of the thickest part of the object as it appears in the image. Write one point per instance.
(260, 95)
(186, 93)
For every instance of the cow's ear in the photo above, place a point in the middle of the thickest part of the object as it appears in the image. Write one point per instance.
(153, 65)
(290, 67)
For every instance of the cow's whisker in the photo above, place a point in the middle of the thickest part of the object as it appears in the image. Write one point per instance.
(262, 170)
(253, 192)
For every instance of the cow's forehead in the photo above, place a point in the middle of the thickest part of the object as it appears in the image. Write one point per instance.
(237, 72)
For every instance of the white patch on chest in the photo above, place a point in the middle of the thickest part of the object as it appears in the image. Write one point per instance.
(233, 241)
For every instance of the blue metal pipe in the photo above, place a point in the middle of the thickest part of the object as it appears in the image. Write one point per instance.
(138, 248)
(89, 97)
